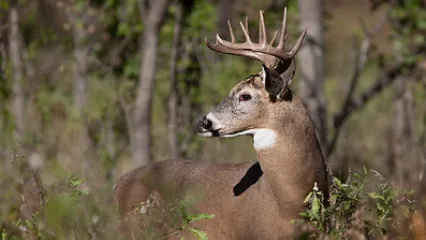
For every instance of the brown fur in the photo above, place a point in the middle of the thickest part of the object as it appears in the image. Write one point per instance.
(263, 211)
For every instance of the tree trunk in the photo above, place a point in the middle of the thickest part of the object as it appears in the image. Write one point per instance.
(15, 54)
(80, 76)
(403, 128)
(311, 61)
(172, 100)
(80, 71)
(141, 116)
(80, 54)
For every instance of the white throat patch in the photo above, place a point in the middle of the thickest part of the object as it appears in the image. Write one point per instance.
(262, 137)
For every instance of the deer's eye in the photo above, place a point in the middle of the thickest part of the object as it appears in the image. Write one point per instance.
(244, 97)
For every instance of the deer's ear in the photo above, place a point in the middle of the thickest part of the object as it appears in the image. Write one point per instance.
(273, 82)
(288, 74)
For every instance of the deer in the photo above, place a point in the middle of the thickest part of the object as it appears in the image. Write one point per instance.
(249, 200)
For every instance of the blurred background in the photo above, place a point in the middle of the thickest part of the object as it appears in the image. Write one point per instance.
(90, 89)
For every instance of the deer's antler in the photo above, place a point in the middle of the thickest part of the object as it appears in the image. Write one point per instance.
(263, 51)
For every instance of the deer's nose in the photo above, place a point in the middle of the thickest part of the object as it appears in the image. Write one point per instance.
(206, 123)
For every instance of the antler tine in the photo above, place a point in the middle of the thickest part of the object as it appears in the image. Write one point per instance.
(298, 44)
(262, 29)
(283, 35)
(273, 38)
(246, 23)
(245, 31)
(231, 31)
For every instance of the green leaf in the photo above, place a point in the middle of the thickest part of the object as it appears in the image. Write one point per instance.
(337, 182)
(315, 205)
(75, 182)
(200, 235)
(374, 195)
(200, 217)
(308, 198)
(123, 29)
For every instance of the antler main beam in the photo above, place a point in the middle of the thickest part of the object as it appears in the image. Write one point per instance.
(263, 51)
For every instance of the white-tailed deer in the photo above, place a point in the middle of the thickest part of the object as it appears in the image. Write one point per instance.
(249, 200)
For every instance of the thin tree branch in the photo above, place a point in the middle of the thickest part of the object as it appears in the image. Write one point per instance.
(15, 51)
(126, 108)
(384, 79)
(115, 53)
(39, 185)
(361, 59)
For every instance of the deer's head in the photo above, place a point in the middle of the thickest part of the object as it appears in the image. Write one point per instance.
(252, 105)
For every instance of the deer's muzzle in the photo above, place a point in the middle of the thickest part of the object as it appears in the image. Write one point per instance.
(208, 126)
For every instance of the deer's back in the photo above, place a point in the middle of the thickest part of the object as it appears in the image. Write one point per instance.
(252, 215)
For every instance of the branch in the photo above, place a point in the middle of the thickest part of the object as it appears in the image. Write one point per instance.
(115, 52)
(384, 79)
(39, 186)
(361, 59)
(127, 107)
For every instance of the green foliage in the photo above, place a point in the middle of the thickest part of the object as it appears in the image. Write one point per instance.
(189, 218)
(354, 208)
(200, 235)
(172, 217)
(316, 213)
(4, 5)
(197, 29)
(409, 28)
(75, 183)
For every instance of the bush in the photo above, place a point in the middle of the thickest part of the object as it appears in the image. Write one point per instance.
(363, 207)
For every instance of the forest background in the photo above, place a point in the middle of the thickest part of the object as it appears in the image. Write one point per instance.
(92, 89)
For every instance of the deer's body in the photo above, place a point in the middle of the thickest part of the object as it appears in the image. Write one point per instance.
(264, 210)
(287, 150)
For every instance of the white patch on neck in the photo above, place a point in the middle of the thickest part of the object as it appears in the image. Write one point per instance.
(263, 138)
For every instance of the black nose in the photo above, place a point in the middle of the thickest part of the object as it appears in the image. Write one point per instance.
(207, 124)
(204, 124)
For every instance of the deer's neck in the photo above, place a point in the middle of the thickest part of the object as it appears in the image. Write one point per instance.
(291, 160)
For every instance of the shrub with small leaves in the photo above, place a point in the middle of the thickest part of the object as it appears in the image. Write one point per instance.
(354, 210)
(189, 218)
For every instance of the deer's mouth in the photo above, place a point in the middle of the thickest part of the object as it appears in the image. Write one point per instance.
(202, 131)
(218, 133)
(210, 133)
